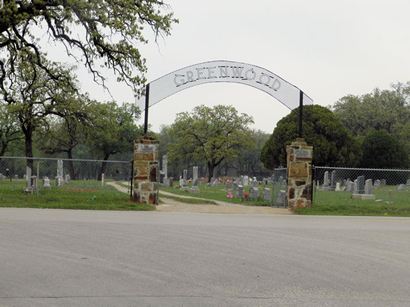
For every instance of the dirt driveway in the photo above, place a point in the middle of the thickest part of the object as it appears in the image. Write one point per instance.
(171, 205)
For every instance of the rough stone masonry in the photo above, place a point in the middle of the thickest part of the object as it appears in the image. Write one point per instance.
(299, 162)
(146, 171)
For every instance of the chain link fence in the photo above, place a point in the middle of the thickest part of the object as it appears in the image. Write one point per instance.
(279, 189)
(348, 185)
(15, 169)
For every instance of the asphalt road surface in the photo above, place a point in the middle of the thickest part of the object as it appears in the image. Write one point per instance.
(100, 258)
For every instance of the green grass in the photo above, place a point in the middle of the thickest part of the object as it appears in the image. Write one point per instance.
(388, 202)
(193, 201)
(78, 194)
(217, 192)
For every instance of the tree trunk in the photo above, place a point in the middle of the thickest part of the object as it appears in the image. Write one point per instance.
(103, 166)
(211, 168)
(28, 143)
(71, 169)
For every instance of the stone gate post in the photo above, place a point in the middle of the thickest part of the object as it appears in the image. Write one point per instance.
(299, 168)
(146, 171)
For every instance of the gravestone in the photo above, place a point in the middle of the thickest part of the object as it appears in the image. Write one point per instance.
(254, 193)
(333, 180)
(60, 168)
(377, 183)
(383, 182)
(366, 192)
(245, 181)
(46, 183)
(59, 181)
(408, 182)
(195, 176)
(240, 192)
(267, 194)
(355, 187)
(360, 184)
(349, 186)
(165, 166)
(368, 187)
(254, 183)
(185, 175)
(280, 200)
(401, 187)
(181, 182)
(67, 178)
(338, 187)
(2, 177)
(326, 180)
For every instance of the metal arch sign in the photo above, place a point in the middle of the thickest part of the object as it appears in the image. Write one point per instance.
(226, 71)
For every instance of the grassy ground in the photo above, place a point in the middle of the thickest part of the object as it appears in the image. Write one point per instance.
(388, 202)
(77, 194)
(217, 192)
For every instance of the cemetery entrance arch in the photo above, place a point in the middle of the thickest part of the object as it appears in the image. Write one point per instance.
(226, 71)
(145, 161)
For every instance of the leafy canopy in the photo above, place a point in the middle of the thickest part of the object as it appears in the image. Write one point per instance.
(381, 150)
(332, 143)
(210, 134)
(98, 33)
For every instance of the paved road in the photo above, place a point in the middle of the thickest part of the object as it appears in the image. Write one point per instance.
(97, 258)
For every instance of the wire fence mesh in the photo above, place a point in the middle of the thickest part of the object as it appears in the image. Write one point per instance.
(59, 171)
(279, 180)
(345, 186)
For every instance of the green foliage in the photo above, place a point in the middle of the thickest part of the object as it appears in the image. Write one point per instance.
(97, 32)
(249, 158)
(34, 97)
(387, 110)
(210, 134)
(381, 150)
(378, 110)
(9, 128)
(332, 143)
(113, 130)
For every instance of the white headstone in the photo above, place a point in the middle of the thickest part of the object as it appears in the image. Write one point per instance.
(46, 182)
(165, 166)
(60, 168)
(368, 187)
(326, 180)
(245, 181)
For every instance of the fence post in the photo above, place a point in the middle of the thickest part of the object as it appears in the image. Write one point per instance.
(313, 183)
(132, 177)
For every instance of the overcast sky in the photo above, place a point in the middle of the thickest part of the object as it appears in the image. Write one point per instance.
(327, 48)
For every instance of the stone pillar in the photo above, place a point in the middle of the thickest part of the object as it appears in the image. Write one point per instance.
(146, 171)
(299, 162)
